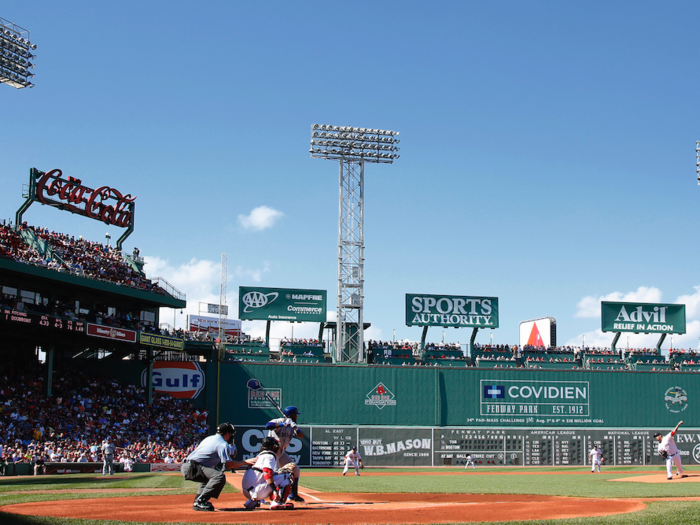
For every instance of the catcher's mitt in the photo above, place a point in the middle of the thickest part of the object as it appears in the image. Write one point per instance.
(663, 454)
(288, 468)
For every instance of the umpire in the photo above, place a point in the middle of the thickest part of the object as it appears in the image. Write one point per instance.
(207, 463)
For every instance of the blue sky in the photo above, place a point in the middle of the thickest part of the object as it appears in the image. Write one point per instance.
(547, 148)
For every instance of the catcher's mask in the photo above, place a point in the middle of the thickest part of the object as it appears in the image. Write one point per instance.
(270, 443)
(224, 428)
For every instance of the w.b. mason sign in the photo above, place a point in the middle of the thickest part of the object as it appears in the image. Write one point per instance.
(642, 317)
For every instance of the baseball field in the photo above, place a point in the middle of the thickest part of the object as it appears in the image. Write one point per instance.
(558, 495)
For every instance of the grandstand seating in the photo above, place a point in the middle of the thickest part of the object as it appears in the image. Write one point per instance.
(495, 363)
(249, 352)
(643, 358)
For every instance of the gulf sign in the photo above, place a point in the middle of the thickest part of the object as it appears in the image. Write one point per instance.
(184, 379)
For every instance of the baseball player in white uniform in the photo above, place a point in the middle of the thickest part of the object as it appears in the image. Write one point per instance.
(284, 429)
(596, 456)
(469, 461)
(264, 479)
(669, 451)
(353, 458)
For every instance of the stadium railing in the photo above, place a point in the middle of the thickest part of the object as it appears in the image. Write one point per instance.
(651, 367)
(546, 365)
(495, 363)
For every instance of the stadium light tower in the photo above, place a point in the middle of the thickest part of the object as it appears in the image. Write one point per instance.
(697, 160)
(351, 148)
(15, 55)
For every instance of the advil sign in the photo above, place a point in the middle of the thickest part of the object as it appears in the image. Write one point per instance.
(642, 317)
(183, 379)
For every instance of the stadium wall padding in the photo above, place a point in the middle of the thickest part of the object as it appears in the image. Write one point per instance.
(443, 397)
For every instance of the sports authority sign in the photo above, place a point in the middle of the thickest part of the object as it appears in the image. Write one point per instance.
(281, 304)
(451, 311)
(110, 332)
(642, 317)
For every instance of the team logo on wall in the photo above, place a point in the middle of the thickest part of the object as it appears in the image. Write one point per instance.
(183, 379)
(696, 453)
(380, 396)
(676, 399)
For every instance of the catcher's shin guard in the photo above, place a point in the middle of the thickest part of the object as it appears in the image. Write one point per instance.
(282, 493)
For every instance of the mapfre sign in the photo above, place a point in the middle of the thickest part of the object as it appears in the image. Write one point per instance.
(103, 204)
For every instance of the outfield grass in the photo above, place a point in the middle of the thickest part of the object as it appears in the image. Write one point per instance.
(565, 482)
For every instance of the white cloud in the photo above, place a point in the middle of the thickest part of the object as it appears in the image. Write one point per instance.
(260, 218)
(691, 302)
(200, 281)
(589, 306)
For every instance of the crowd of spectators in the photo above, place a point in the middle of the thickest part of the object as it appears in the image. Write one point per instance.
(73, 255)
(71, 425)
(552, 359)
(389, 349)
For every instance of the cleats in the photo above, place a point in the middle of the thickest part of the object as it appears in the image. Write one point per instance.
(203, 505)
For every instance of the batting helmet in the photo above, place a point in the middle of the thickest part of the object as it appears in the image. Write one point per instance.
(270, 443)
(290, 411)
(226, 428)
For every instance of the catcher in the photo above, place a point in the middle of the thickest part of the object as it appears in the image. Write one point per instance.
(669, 452)
(265, 479)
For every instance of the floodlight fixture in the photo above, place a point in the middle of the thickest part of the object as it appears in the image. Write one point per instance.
(350, 143)
(15, 55)
(697, 160)
(352, 147)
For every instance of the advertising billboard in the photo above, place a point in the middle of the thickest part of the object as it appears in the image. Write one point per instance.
(456, 311)
(642, 317)
(281, 304)
(540, 332)
(202, 323)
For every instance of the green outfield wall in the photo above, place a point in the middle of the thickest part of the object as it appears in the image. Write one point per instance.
(443, 397)
(433, 416)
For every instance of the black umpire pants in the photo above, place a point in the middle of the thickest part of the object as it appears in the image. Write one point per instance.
(211, 481)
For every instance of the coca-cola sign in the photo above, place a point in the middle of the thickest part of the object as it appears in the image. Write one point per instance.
(103, 204)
